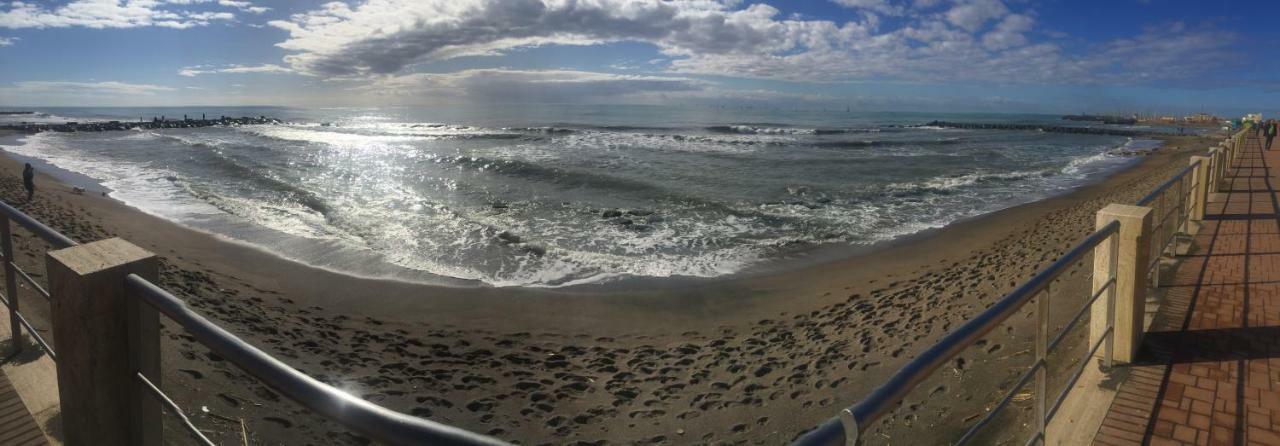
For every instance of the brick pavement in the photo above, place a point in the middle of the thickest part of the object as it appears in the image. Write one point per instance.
(1209, 371)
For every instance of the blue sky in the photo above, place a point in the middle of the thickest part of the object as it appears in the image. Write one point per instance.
(952, 55)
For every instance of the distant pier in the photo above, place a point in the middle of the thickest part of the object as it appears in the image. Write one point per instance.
(155, 123)
(1104, 119)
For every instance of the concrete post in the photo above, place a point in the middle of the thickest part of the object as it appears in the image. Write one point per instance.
(1222, 169)
(1199, 194)
(1225, 154)
(1134, 247)
(1215, 163)
(103, 338)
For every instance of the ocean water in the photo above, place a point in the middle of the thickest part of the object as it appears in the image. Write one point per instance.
(557, 195)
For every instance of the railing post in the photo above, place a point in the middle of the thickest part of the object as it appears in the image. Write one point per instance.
(1200, 196)
(1215, 169)
(1235, 148)
(1042, 361)
(103, 338)
(1109, 323)
(10, 284)
(1131, 261)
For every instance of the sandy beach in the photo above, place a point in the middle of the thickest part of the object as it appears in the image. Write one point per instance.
(746, 360)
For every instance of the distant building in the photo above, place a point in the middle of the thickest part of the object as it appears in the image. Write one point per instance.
(1255, 117)
(1201, 118)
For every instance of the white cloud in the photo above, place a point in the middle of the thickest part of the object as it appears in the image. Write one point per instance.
(41, 90)
(878, 6)
(244, 6)
(384, 36)
(971, 15)
(101, 14)
(1009, 32)
(6, 41)
(233, 69)
(525, 85)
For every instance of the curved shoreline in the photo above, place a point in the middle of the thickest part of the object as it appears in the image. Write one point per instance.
(761, 357)
(368, 264)
(713, 295)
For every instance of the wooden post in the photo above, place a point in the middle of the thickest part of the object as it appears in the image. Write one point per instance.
(1134, 247)
(103, 338)
(10, 285)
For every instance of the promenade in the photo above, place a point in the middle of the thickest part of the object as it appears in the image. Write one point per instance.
(1209, 368)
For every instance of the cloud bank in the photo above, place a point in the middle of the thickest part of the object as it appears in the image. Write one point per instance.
(505, 85)
(101, 14)
(199, 70)
(939, 40)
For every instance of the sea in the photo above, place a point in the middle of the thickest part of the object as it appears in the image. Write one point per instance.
(566, 194)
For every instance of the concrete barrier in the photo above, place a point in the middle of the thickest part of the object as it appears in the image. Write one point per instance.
(1134, 246)
(102, 338)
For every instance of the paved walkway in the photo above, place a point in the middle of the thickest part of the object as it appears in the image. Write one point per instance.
(17, 427)
(1209, 372)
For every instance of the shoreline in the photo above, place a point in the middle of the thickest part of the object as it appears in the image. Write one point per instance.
(562, 365)
(785, 261)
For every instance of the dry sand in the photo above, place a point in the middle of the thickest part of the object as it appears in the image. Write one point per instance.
(752, 360)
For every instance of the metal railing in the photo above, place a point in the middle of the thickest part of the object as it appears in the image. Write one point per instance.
(1171, 205)
(847, 427)
(374, 421)
(12, 272)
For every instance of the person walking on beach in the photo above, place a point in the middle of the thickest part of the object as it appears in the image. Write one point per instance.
(29, 180)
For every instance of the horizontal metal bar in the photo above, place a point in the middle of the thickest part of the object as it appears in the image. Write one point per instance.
(36, 335)
(54, 238)
(888, 395)
(30, 329)
(1110, 331)
(1080, 314)
(30, 281)
(379, 423)
(1004, 402)
(1161, 188)
(173, 407)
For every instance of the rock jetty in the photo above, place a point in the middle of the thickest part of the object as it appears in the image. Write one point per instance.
(1044, 128)
(1104, 119)
(154, 123)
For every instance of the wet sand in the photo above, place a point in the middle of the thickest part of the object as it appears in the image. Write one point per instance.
(746, 360)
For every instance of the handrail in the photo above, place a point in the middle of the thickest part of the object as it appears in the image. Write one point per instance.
(854, 419)
(12, 271)
(372, 420)
(54, 238)
(1165, 185)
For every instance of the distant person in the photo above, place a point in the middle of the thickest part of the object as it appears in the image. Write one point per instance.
(1270, 132)
(29, 180)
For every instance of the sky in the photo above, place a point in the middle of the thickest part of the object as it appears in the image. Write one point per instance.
(1051, 56)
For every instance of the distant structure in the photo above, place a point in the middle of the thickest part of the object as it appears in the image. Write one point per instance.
(1201, 118)
(156, 123)
(1102, 119)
